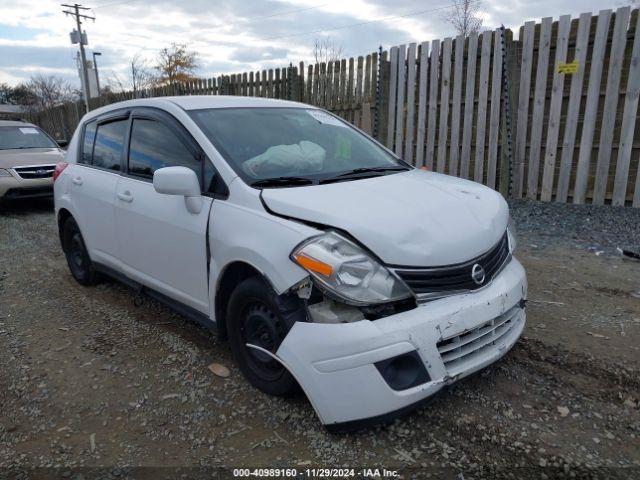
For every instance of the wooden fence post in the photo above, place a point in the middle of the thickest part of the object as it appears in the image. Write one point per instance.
(527, 35)
(510, 80)
(611, 99)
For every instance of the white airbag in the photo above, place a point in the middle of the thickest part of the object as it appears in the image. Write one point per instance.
(298, 157)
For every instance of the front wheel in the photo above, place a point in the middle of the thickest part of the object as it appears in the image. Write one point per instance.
(77, 256)
(254, 318)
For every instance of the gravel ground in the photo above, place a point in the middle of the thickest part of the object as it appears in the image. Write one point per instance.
(599, 228)
(90, 380)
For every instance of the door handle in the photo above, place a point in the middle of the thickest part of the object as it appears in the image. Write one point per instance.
(126, 197)
(77, 180)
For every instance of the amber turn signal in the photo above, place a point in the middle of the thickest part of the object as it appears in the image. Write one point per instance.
(313, 265)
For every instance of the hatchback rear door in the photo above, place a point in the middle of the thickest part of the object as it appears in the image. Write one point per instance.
(93, 184)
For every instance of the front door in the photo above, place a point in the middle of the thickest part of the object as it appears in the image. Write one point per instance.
(162, 244)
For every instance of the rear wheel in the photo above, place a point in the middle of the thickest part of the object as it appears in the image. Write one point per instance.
(255, 318)
(77, 256)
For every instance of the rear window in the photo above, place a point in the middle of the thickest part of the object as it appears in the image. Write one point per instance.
(26, 136)
(109, 141)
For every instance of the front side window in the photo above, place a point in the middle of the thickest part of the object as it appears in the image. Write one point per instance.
(153, 145)
(22, 137)
(267, 143)
(109, 141)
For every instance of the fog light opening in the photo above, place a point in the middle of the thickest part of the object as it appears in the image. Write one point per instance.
(403, 371)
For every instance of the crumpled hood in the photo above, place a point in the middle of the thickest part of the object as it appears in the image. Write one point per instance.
(415, 218)
(30, 156)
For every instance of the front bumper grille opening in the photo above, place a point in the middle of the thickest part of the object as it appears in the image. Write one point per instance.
(32, 192)
(461, 348)
(434, 282)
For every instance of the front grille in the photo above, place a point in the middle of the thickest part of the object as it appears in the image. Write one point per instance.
(461, 348)
(440, 281)
(35, 171)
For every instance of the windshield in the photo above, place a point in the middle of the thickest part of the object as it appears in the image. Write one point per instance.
(291, 145)
(24, 137)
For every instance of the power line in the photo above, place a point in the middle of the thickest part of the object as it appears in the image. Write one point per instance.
(253, 19)
(246, 21)
(358, 24)
(243, 22)
(120, 2)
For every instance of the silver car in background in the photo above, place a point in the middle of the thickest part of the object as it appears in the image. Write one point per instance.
(28, 157)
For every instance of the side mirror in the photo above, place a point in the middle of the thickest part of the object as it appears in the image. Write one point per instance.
(180, 181)
(62, 143)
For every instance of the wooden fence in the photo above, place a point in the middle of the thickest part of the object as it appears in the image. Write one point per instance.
(446, 113)
(346, 87)
(552, 116)
(549, 116)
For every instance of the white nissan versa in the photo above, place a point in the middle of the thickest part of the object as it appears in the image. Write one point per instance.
(328, 262)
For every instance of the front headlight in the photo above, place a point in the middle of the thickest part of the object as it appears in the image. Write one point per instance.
(5, 173)
(511, 233)
(345, 270)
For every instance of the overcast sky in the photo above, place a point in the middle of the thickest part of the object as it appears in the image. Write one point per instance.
(236, 36)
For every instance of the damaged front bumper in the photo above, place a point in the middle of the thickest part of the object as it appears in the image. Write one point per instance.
(339, 365)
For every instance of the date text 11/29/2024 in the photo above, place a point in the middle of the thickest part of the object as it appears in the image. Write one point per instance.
(316, 472)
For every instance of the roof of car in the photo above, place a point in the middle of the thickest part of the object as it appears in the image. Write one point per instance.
(15, 123)
(195, 102)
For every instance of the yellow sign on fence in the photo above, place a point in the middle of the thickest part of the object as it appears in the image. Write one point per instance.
(568, 68)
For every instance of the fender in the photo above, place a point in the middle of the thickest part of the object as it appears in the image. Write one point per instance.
(235, 235)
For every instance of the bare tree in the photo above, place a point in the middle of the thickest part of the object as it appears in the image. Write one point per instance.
(175, 64)
(6, 94)
(116, 83)
(325, 51)
(139, 77)
(465, 17)
(46, 91)
(140, 74)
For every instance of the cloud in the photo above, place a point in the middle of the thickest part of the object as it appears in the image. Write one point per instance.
(231, 36)
(251, 55)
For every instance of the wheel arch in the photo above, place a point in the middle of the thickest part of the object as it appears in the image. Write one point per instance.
(230, 277)
(63, 216)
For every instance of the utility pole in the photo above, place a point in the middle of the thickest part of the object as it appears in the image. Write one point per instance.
(75, 12)
(95, 67)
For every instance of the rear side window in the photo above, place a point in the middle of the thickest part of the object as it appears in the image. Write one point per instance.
(86, 157)
(153, 145)
(108, 144)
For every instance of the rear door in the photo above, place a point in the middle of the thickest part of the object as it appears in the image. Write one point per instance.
(93, 184)
(163, 245)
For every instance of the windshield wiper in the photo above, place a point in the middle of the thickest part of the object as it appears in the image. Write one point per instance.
(281, 182)
(356, 172)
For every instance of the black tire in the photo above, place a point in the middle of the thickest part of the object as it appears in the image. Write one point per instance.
(78, 259)
(254, 317)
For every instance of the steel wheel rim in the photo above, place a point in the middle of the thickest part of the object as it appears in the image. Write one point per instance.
(261, 327)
